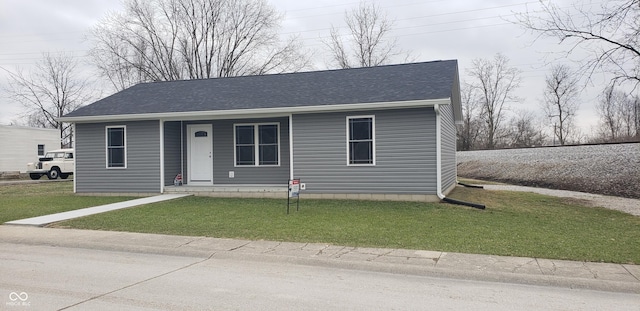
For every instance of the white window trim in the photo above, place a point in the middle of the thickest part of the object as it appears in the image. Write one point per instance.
(106, 146)
(256, 143)
(373, 133)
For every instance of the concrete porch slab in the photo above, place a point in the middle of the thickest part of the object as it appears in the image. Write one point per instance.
(228, 188)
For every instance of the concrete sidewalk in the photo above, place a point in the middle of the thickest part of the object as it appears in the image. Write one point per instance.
(48, 219)
(522, 270)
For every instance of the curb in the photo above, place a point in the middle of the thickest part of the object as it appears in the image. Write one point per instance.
(476, 267)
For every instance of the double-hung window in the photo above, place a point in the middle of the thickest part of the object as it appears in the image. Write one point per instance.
(257, 144)
(361, 140)
(116, 147)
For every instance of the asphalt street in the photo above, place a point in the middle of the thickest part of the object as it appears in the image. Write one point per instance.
(44, 277)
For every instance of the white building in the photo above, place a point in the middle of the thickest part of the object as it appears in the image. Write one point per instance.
(20, 145)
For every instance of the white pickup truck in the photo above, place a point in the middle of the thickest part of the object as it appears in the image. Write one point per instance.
(54, 164)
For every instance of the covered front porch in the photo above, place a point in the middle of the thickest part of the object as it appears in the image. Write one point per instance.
(245, 157)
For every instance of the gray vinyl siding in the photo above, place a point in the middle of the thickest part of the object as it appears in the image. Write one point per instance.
(448, 145)
(143, 159)
(405, 143)
(223, 155)
(172, 165)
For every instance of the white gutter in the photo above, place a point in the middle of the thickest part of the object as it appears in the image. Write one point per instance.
(436, 108)
(263, 112)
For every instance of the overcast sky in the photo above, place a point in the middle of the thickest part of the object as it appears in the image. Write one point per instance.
(429, 29)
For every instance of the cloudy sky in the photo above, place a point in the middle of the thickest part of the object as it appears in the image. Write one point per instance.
(429, 29)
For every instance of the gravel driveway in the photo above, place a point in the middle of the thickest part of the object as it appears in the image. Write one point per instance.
(602, 169)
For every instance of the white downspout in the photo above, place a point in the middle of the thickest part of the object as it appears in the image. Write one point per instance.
(442, 197)
(75, 156)
(290, 146)
(436, 108)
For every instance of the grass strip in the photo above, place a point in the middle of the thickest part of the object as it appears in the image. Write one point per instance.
(514, 224)
(21, 201)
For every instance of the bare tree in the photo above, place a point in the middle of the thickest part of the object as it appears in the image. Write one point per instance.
(607, 109)
(471, 128)
(163, 40)
(636, 113)
(609, 31)
(495, 83)
(618, 115)
(53, 89)
(524, 132)
(561, 101)
(630, 115)
(367, 42)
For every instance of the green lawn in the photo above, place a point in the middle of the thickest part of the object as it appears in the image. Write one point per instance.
(31, 200)
(514, 224)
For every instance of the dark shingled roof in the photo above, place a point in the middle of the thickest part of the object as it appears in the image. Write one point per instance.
(392, 83)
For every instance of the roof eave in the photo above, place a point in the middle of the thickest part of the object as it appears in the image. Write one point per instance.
(244, 113)
(456, 99)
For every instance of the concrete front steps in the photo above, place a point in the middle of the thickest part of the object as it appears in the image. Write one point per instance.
(281, 192)
(232, 191)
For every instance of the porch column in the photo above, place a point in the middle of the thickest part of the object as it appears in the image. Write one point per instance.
(161, 156)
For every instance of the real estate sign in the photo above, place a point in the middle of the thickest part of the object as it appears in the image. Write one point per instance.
(294, 188)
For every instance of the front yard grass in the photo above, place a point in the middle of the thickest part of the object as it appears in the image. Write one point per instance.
(514, 224)
(21, 201)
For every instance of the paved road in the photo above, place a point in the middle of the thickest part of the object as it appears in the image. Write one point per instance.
(40, 277)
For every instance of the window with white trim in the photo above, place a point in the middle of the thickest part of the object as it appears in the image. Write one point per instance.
(116, 149)
(40, 150)
(257, 144)
(361, 140)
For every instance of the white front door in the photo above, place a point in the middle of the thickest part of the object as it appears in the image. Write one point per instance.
(200, 147)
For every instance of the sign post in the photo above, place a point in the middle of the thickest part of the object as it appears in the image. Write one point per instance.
(294, 192)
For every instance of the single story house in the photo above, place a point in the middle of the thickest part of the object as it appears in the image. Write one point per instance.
(385, 132)
(20, 145)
